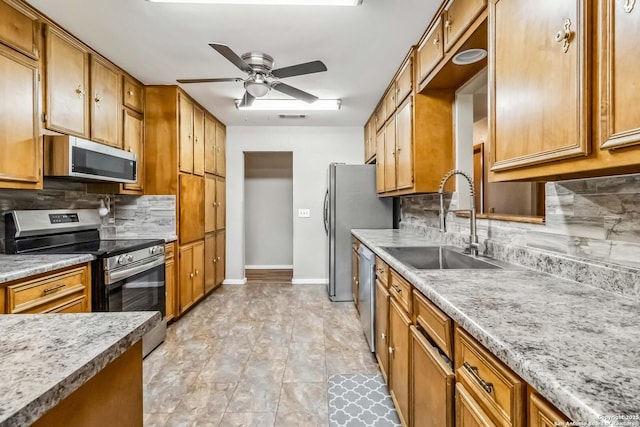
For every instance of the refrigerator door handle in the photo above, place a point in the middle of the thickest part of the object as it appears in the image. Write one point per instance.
(325, 212)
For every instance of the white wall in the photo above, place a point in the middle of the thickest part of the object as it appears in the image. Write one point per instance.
(268, 195)
(313, 149)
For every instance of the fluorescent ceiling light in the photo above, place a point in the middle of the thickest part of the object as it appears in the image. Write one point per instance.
(271, 2)
(290, 105)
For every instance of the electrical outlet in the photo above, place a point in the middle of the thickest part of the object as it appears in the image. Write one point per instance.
(304, 213)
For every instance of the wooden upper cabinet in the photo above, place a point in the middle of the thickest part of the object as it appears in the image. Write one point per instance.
(619, 79)
(133, 141)
(459, 16)
(19, 28)
(390, 155)
(538, 82)
(221, 149)
(209, 144)
(404, 82)
(404, 142)
(191, 200)
(380, 161)
(220, 257)
(105, 102)
(132, 94)
(19, 122)
(390, 102)
(220, 203)
(210, 205)
(67, 84)
(381, 115)
(430, 51)
(198, 141)
(185, 126)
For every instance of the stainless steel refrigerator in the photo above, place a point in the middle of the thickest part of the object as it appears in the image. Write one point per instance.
(350, 202)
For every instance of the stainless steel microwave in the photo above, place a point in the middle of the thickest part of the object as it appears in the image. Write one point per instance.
(73, 157)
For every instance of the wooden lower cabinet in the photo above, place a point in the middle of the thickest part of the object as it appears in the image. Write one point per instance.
(210, 262)
(542, 413)
(468, 413)
(382, 328)
(170, 281)
(220, 257)
(191, 275)
(432, 383)
(399, 360)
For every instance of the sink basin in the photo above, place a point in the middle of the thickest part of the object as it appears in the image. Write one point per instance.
(437, 258)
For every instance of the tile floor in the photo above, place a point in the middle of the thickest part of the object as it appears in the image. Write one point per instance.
(254, 355)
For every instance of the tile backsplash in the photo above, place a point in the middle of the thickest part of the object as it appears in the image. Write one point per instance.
(592, 225)
(129, 216)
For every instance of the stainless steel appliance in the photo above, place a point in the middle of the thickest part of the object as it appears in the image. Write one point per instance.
(70, 156)
(366, 293)
(127, 275)
(350, 202)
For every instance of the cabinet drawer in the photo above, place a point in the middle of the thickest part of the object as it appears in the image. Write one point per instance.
(382, 272)
(169, 251)
(401, 290)
(435, 322)
(49, 293)
(458, 17)
(499, 391)
(132, 94)
(390, 102)
(430, 51)
(404, 83)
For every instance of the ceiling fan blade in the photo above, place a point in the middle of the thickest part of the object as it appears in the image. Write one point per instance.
(247, 100)
(226, 51)
(294, 92)
(230, 79)
(300, 69)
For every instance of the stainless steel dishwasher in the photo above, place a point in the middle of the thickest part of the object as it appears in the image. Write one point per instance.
(367, 293)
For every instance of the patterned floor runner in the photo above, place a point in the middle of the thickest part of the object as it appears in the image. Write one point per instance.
(359, 401)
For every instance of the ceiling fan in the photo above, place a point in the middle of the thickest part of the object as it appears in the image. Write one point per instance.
(262, 77)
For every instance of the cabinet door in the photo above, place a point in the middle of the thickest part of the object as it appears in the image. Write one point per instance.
(399, 359)
(105, 102)
(390, 101)
(19, 28)
(619, 80)
(209, 262)
(133, 141)
(382, 329)
(198, 270)
(209, 144)
(430, 51)
(432, 384)
(390, 155)
(380, 161)
(220, 203)
(132, 94)
(459, 16)
(210, 205)
(19, 124)
(185, 277)
(191, 208)
(404, 144)
(468, 413)
(404, 83)
(540, 94)
(198, 141)
(220, 257)
(170, 286)
(355, 292)
(543, 414)
(221, 143)
(185, 126)
(67, 83)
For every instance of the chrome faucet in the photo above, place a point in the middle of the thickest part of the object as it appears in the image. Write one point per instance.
(474, 246)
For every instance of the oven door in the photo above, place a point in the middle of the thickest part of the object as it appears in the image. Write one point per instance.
(137, 287)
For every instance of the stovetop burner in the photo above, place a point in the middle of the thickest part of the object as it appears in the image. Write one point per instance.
(104, 248)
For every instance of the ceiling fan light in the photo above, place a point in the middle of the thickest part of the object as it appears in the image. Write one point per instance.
(290, 105)
(257, 89)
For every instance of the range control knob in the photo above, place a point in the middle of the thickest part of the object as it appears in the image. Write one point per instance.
(130, 258)
(122, 260)
(153, 250)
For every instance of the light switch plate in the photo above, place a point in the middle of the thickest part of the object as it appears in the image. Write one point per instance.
(304, 213)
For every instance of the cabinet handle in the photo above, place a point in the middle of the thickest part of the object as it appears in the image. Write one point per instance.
(391, 350)
(628, 5)
(191, 275)
(564, 36)
(487, 386)
(97, 99)
(130, 149)
(80, 91)
(53, 289)
(448, 24)
(383, 336)
(436, 41)
(218, 258)
(214, 260)
(130, 92)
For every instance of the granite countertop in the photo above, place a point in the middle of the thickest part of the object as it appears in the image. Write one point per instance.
(576, 344)
(13, 267)
(46, 357)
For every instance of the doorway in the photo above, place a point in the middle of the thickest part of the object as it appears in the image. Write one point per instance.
(268, 190)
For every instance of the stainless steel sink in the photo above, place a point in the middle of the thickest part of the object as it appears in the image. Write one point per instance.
(438, 258)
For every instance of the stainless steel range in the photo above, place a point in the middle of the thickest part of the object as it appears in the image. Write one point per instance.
(127, 275)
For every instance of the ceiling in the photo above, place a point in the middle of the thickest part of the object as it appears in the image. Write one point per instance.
(158, 43)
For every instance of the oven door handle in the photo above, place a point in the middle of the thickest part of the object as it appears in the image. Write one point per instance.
(116, 276)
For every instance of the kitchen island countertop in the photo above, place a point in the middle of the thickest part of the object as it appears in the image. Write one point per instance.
(576, 344)
(14, 267)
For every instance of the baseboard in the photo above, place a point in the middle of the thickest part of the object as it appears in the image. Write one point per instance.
(268, 267)
(309, 281)
(235, 281)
